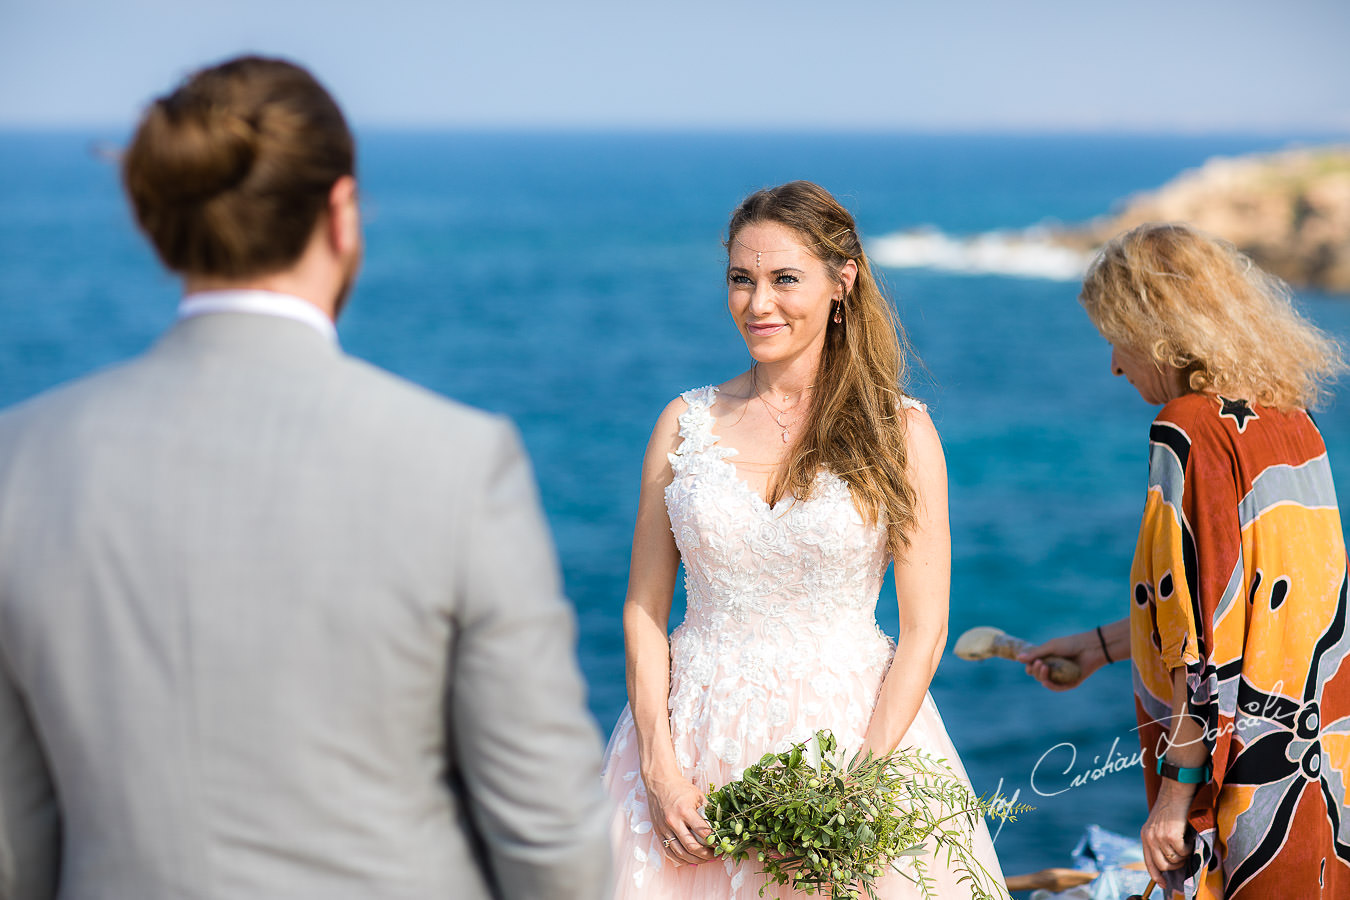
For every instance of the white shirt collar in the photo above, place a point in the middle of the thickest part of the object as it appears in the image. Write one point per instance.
(266, 303)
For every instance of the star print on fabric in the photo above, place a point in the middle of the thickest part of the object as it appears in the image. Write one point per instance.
(1237, 410)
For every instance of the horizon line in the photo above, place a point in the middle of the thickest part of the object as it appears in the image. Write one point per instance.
(1292, 132)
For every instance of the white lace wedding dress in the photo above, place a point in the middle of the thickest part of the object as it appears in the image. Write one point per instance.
(779, 639)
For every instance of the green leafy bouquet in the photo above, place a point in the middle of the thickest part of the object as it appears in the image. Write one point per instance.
(817, 824)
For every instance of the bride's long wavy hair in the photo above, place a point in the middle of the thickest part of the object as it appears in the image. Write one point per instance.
(855, 426)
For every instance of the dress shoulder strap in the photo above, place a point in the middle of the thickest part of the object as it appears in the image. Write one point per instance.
(911, 403)
(702, 397)
(696, 433)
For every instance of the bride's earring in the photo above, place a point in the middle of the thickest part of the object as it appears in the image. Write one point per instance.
(839, 312)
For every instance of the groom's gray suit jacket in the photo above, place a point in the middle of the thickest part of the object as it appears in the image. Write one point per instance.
(276, 624)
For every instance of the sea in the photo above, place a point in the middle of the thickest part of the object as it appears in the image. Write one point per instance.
(574, 282)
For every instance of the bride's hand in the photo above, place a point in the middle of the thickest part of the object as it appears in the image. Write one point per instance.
(675, 805)
(1082, 648)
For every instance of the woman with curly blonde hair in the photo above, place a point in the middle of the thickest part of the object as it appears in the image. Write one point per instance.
(1237, 627)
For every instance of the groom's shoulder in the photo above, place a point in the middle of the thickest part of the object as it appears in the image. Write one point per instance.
(63, 403)
(393, 397)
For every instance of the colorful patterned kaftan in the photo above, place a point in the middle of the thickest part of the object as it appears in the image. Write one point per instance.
(1240, 576)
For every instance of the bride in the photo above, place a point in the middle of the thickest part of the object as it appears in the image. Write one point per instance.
(785, 492)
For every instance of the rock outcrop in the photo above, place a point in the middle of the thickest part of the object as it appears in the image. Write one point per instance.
(1288, 211)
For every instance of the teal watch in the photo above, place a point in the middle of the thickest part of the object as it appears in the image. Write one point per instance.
(1184, 774)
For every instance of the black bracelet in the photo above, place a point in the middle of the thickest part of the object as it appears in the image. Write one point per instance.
(1105, 652)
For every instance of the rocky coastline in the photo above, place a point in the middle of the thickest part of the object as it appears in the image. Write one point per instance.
(1289, 211)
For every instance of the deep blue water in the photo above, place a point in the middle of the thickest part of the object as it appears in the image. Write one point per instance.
(574, 283)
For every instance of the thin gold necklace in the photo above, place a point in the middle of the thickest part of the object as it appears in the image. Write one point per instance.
(774, 411)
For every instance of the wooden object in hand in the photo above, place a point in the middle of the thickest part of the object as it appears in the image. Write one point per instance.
(985, 642)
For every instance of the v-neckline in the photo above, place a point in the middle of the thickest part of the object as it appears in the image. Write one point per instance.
(715, 438)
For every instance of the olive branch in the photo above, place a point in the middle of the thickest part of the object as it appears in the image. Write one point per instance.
(816, 824)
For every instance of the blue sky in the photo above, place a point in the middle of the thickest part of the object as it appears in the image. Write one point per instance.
(984, 65)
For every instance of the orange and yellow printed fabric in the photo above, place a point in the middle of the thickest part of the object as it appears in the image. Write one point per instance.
(1240, 577)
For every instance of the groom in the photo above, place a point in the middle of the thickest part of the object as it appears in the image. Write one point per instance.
(273, 623)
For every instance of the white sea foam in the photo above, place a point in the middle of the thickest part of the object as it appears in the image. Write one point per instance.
(1023, 254)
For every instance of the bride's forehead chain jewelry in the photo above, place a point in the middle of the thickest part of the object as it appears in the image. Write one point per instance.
(760, 253)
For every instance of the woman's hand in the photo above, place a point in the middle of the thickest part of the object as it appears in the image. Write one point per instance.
(1166, 843)
(1085, 648)
(675, 805)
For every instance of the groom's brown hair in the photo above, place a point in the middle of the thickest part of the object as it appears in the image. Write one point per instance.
(229, 173)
